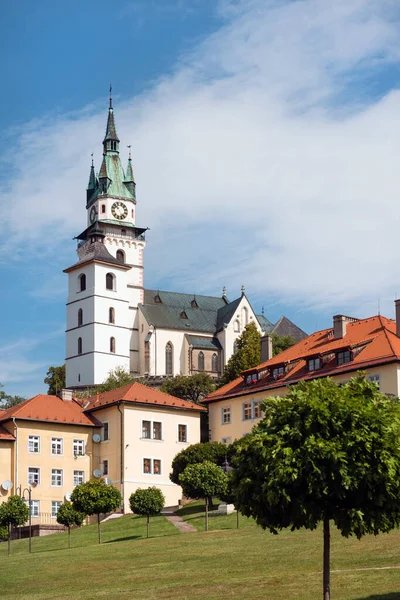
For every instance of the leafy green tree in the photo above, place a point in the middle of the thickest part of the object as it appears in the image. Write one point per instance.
(203, 481)
(281, 343)
(214, 452)
(147, 503)
(116, 378)
(323, 453)
(13, 513)
(55, 379)
(247, 355)
(95, 498)
(191, 387)
(69, 517)
(7, 401)
(3, 532)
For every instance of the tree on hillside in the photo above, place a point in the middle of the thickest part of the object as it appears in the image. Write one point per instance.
(189, 387)
(147, 503)
(55, 379)
(203, 481)
(7, 401)
(214, 452)
(323, 453)
(95, 498)
(13, 513)
(247, 355)
(281, 343)
(69, 517)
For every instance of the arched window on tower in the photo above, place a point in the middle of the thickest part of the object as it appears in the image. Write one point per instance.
(111, 315)
(112, 345)
(79, 345)
(201, 361)
(214, 363)
(169, 365)
(80, 317)
(82, 282)
(110, 281)
(121, 256)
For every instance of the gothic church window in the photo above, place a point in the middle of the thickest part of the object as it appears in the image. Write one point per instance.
(120, 256)
(79, 345)
(80, 317)
(168, 359)
(111, 315)
(110, 281)
(112, 345)
(214, 363)
(236, 327)
(201, 361)
(82, 282)
(245, 316)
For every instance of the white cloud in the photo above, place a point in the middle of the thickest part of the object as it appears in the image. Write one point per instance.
(261, 156)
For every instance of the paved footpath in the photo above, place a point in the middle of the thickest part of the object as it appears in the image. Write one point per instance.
(180, 524)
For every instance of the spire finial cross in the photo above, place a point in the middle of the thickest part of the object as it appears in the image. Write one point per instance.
(111, 96)
(130, 157)
(92, 159)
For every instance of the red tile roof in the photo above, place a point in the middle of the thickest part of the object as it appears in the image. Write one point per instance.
(372, 341)
(49, 408)
(140, 394)
(5, 435)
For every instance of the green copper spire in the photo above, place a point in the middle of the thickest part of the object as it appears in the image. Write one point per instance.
(129, 180)
(111, 139)
(93, 183)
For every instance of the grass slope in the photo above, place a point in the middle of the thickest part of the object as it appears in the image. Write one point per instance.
(245, 564)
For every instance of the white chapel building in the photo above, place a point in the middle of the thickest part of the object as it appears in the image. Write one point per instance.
(113, 321)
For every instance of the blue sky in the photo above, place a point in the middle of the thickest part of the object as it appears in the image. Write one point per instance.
(265, 139)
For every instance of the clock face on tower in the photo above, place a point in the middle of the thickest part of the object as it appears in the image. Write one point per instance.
(119, 210)
(93, 213)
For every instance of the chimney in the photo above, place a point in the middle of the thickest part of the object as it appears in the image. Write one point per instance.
(397, 304)
(266, 348)
(339, 326)
(66, 395)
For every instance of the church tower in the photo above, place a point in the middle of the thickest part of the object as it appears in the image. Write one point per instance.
(105, 286)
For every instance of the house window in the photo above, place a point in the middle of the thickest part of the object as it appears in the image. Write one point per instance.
(375, 379)
(33, 475)
(79, 477)
(56, 477)
(182, 433)
(226, 440)
(314, 364)
(79, 345)
(120, 256)
(103, 208)
(112, 345)
(35, 508)
(56, 445)
(225, 415)
(147, 465)
(151, 430)
(78, 447)
(111, 315)
(278, 372)
(105, 467)
(157, 466)
(201, 361)
(169, 359)
(157, 430)
(214, 363)
(152, 466)
(247, 412)
(343, 357)
(146, 430)
(82, 282)
(256, 409)
(80, 317)
(110, 281)
(105, 432)
(55, 505)
(34, 444)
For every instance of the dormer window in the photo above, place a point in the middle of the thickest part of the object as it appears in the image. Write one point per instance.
(343, 357)
(157, 299)
(194, 304)
(183, 315)
(314, 364)
(252, 379)
(278, 372)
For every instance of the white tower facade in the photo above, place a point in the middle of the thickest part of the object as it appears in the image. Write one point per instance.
(105, 286)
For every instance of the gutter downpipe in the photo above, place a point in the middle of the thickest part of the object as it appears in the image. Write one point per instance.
(155, 348)
(122, 456)
(16, 453)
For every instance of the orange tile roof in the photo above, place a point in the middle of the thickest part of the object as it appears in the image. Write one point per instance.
(49, 408)
(140, 394)
(373, 341)
(5, 435)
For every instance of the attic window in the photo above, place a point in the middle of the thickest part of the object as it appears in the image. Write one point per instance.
(343, 357)
(194, 304)
(252, 379)
(157, 299)
(183, 315)
(278, 372)
(314, 364)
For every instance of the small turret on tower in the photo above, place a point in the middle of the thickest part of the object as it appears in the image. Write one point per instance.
(93, 183)
(129, 180)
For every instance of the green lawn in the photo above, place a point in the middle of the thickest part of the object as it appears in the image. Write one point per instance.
(222, 564)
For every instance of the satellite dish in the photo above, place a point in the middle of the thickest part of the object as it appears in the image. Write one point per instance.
(97, 473)
(7, 485)
(96, 438)
(68, 496)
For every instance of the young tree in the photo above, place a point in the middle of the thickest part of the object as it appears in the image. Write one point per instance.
(14, 512)
(323, 453)
(147, 503)
(281, 343)
(55, 379)
(203, 481)
(214, 452)
(95, 498)
(247, 355)
(191, 387)
(69, 517)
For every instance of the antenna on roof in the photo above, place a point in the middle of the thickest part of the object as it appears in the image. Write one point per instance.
(379, 306)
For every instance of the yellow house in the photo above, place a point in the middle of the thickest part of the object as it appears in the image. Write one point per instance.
(128, 436)
(371, 345)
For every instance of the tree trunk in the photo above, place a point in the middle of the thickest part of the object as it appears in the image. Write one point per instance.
(98, 528)
(207, 514)
(327, 560)
(69, 537)
(148, 521)
(237, 519)
(9, 539)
